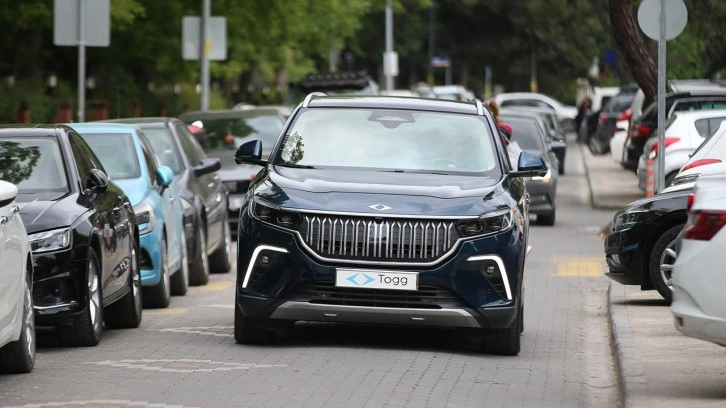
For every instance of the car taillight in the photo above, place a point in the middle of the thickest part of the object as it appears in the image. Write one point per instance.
(703, 225)
(626, 115)
(667, 142)
(640, 131)
(603, 118)
(689, 201)
(701, 162)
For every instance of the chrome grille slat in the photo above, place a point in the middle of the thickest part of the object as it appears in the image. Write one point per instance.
(378, 239)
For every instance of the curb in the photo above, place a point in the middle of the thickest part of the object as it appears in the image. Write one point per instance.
(593, 203)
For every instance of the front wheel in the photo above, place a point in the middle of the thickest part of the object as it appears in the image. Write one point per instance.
(219, 260)
(127, 312)
(247, 332)
(546, 219)
(506, 341)
(19, 356)
(159, 295)
(199, 269)
(180, 279)
(662, 257)
(86, 328)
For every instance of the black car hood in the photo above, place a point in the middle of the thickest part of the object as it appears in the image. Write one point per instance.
(382, 193)
(41, 212)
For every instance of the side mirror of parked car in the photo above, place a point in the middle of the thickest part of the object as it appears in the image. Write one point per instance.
(208, 165)
(250, 152)
(97, 181)
(164, 176)
(529, 165)
(8, 192)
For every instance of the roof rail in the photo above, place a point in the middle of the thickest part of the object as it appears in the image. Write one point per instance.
(479, 107)
(310, 97)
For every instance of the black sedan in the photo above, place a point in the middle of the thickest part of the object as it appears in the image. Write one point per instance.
(204, 197)
(82, 231)
(640, 246)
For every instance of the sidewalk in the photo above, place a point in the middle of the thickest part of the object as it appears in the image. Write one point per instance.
(658, 366)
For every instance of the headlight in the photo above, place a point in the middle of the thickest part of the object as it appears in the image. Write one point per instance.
(545, 179)
(50, 240)
(276, 216)
(628, 218)
(145, 217)
(486, 224)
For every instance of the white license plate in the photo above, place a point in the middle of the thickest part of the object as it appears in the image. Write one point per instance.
(370, 279)
(235, 203)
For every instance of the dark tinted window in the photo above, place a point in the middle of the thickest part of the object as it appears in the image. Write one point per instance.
(162, 143)
(231, 132)
(150, 159)
(117, 154)
(525, 132)
(84, 157)
(34, 164)
(706, 127)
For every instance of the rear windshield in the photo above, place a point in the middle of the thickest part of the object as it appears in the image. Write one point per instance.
(117, 154)
(525, 132)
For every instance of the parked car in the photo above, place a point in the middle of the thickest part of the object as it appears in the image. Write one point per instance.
(620, 134)
(131, 163)
(685, 131)
(338, 83)
(341, 227)
(708, 158)
(17, 324)
(599, 141)
(529, 133)
(699, 306)
(82, 231)
(640, 248)
(554, 131)
(453, 93)
(225, 131)
(204, 197)
(565, 114)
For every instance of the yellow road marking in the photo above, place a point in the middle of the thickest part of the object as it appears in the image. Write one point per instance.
(217, 286)
(579, 267)
(168, 311)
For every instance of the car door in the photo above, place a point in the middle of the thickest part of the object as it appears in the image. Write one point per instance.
(12, 265)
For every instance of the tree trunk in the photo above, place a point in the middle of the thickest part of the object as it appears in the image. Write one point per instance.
(635, 52)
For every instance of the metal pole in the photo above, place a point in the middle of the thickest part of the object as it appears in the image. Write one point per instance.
(81, 61)
(389, 41)
(204, 53)
(660, 164)
(448, 73)
(432, 39)
(533, 69)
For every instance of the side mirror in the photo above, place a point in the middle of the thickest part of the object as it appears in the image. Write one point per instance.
(8, 192)
(208, 165)
(97, 181)
(164, 176)
(250, 152)
(529, 165)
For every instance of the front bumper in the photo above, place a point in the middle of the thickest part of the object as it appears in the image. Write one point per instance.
(541, 196)
(59, 283)
(624, 257)
(150, 260)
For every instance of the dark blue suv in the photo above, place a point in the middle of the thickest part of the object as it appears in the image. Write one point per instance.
(385, 210)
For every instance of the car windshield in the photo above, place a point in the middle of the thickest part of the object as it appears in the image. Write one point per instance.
(619, 104)
(34, 164)
(230, 132)
(116, 152)
(525, 132)
(164, 147)
(387, 139)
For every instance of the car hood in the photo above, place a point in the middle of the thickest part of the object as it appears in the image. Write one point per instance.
(135, 189)
(41, 212)
(382, 194)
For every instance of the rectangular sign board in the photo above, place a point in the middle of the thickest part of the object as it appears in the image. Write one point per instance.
(96, 18)
(217, 47)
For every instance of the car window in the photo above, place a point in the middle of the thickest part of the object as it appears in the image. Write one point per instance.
(34, 164)
(525, 132)
(150, 158)
(525, 102)
(707, 126)
(117, 154)
(231, 132)
(187, 141)
(163, 145)
(375, 138)
(84, 157)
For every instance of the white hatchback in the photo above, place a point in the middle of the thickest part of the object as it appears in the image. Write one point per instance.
(17, 324)
(709, 158)
(699, 305)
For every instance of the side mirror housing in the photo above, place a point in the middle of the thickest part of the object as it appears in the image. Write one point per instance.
(8, 193)
(250, 152)
(208, 165)
(97, 181)
(529, 165)
(164, 176)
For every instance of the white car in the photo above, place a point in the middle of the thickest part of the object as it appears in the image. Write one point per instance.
(685, 131)
(709, 158)
(565, 114)
(617, 142)
(17, 324)
(699, 304)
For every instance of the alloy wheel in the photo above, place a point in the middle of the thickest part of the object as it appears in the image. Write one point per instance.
(29, 322)
(136, 281)
(94, 296)
(667, 259)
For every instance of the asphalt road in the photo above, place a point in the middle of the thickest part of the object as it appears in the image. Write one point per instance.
(185, 356)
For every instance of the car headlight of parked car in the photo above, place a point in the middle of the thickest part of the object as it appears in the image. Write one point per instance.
(275, 216)
(145, 217)
(627, 218)
(545, 179)
(486, 224)
(52, 240)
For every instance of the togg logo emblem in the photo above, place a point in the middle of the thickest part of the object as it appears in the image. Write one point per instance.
(379, 207)
(360, 279)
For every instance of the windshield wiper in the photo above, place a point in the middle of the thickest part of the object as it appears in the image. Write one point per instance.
(295, 166)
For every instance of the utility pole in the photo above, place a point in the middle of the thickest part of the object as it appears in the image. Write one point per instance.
(432, 40)
(533, 79)
(205, 46)
(388, 72)
(81, 61)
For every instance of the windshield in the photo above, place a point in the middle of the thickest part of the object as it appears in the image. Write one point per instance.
(116, 152)
(390, 139)
(526, 133)
(230, 132)
(34, 164)
(163, 144)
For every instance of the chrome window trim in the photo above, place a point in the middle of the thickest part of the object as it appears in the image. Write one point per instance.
(310, 97)
(500, 265)
(479, 107)
(253, 259)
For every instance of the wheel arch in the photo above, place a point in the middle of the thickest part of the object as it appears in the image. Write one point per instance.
(669, 222)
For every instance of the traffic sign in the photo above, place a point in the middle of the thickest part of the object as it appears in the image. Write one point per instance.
(216, 46)
(676, 16)
(440, 62)
(96, 23)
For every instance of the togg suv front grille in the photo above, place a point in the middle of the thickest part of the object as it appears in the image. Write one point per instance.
(378, 239)
(426, 297)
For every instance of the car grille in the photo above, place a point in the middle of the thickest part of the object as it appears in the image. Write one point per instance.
(378, 239)
(426, 297)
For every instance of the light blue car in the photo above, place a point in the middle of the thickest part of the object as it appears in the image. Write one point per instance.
(129, 161)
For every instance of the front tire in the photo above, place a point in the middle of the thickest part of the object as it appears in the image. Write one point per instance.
(87, 328)
(546, 219)
(662, 257)
(127, 312)
(19, 356)
(199, 269)
(159, 295)
(246, 332)
(219, 260)
(180, 279)
(506, 342)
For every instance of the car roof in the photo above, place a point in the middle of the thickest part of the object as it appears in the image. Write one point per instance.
(231, 113)
(104, 127)
(32, 130)
(394, 102)
(160, 121)
(708, 113)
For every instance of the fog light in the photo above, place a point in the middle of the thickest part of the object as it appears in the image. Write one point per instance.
(489, 269)
(264, 259)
